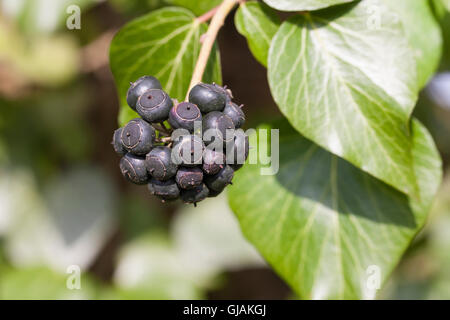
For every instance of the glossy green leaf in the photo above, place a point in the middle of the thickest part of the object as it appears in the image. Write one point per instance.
(165, 44)
(258, 23)
(347, 81)
(323, 224)
(424, 35)
(196, 6)
(303, 5)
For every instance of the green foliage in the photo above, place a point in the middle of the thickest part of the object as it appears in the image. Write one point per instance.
(196, 6)
(41, 283)
(321, 222)
(258, 23)
(359, 83)
(357, 175)
(424, 35)
(303, 5)
(164, 43)
(446, 4)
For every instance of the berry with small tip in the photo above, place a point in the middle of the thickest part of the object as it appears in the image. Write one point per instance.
(138, 87)
(166, 190)
(188, 151)
(219, 127)
(133, 169)
(117, 142)
(138, 137)
(184, 115)
(181, 166)
(189, 178)
(159, 163)
(208, 97)
(225, 90)
(213, 193)
(237, 152)
(213, 161)
(220, 180)
(235, 113)
(154, 105)
(195, 195)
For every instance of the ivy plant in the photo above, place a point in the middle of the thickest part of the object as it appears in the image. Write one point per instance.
(358, 172)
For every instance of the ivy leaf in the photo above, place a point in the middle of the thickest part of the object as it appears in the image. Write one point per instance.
(164, 44)
(424, 34)
(323, 224)
(258, 23)
(303, 5)
(333, 77)
(198, 7)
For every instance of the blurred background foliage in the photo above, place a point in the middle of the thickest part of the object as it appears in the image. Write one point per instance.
(63, 201)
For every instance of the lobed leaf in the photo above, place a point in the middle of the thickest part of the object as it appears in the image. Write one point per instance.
(258, 23)
(303, 5)
(164, 43)
(198, 7)
(324, 225)
(347, 81)
(424, 34)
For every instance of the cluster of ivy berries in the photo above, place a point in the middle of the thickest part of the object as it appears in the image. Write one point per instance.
(188, 150)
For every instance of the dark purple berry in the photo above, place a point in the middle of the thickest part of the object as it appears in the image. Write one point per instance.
(117, 142)
(207, 97)
(133, 169)
(184, 115)
(213, 194)
(159, 163)
(235, 113)
(138, 87)
(227, 92)
(195, 195)
(188, 151)
(237, 152)
(188, 178)
(166, 190)
(213, 161)
(154, 105)
(138, 137)
(220, 180)
(218, 127)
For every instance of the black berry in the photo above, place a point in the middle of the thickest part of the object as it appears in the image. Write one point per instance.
(213, 194)
(133, 169)
(237, 152)
(117, 142)
(235, 113)
(159, 163)
(138, 87)
(189, 178)
(184, 115)
(208, 97)
(217, 126)
(154, 105)
(195, 195)
(213, 161)
(227, 92)
(188, 151)
(165, 190)
(138, 137)
(220, 180)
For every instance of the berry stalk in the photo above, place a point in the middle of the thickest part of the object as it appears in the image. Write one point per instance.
(217, 22)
